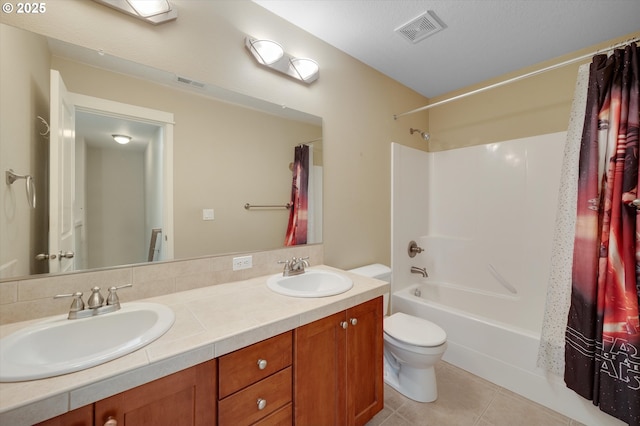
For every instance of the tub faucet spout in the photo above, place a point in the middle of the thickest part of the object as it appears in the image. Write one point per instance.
(421, 271)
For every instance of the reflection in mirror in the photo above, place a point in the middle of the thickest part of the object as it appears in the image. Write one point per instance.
(228, 150)
(119, 192)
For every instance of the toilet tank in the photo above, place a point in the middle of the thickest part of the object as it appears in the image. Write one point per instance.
(380, 272)
(375, 270)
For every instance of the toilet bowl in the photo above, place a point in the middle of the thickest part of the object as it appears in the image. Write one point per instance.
(412, 347)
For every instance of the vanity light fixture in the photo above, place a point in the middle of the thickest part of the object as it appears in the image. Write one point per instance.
(266, 52)
(122, 139)
(304, 68)
(153, 11)
(271, 55)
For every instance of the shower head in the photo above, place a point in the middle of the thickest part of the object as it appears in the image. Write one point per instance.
(424, 135)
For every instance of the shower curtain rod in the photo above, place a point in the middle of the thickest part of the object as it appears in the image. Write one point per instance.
(518, 78)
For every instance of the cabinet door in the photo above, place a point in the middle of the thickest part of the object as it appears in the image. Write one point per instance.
(320, 372)
(364, 362)
(185, 398)
(82, 416)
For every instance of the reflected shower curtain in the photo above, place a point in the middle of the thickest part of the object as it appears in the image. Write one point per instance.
(297, 228)
(602, 352)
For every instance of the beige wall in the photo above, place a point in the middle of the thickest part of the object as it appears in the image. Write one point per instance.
(24, 94)
(533, 106)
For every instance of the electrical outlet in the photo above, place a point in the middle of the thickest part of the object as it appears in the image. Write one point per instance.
(242, 262)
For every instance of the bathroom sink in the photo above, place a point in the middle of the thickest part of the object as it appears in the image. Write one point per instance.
(312, 283)
(59, 345)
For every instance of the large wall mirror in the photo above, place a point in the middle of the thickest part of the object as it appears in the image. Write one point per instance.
(227, 150)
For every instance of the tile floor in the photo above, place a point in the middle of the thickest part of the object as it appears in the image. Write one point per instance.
(466, 400)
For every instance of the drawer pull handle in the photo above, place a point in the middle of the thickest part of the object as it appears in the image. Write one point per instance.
(111, 422)
(262, 364)
(262, 403)
(353, 321)
(344, 324)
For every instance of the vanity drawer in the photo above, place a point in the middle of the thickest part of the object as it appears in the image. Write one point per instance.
(282, 417)
(253, 363)
(243, 408)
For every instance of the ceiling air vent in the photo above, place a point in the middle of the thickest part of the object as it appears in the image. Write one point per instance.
(421, 27)
(190, 82)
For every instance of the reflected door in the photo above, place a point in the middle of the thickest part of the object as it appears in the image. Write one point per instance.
(61, 177)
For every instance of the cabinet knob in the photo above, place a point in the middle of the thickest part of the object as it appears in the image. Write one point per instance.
(111, 422)
(262, 403)
(353, 321)
(262, 364)
(344, 324)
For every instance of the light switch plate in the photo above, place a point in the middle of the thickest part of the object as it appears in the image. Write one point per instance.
(207, 214)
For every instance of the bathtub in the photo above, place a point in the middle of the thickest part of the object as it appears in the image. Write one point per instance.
(498, 352)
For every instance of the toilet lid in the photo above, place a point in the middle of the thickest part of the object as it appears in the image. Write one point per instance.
(413, 330)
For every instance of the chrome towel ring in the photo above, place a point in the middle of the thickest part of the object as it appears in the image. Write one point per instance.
(29, 183)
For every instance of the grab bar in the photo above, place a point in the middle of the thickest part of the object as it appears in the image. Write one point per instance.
(268, 206)
(30, 185)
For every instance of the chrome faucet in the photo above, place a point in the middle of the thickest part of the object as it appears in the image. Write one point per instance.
(295, 266)
(421, 271)
(94, 303)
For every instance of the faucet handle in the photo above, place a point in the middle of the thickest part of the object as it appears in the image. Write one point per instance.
(287, 264)
(77, 304)
(112, 298)
(95, 300)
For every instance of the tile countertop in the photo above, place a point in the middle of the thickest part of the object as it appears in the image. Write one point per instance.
(210, 322)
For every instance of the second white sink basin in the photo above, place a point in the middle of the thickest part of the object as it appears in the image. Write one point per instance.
(312, 283)
(59, 345)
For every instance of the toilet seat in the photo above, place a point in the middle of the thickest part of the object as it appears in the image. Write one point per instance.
(413, 330)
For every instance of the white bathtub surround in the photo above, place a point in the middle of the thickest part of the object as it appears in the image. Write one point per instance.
(551, 351)
(485, 216)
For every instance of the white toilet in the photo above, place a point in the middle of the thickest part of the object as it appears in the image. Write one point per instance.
(412, 346)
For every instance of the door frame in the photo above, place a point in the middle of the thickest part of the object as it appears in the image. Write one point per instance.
(162, 119)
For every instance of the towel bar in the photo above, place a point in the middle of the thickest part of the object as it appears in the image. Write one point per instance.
(268, 206)
(30, 185)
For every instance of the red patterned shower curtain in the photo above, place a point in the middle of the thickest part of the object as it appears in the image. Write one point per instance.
(602, 352)
(297, 228)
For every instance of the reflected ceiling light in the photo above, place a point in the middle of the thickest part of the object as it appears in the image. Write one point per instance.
(153, 11)
(271, 55)
(122, 139)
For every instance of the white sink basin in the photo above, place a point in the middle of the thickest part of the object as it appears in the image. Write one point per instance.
(313, 283)
(59, 345)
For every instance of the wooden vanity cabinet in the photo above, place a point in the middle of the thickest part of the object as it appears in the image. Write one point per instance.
(255, 384)
(328, 372)
(338, 372)
(185, 398)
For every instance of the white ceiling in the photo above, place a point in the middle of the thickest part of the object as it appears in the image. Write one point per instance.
(482, 39)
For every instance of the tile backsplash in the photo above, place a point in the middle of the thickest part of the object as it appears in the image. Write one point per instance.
(32, 297)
